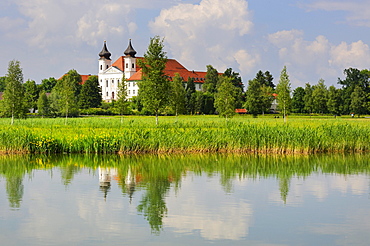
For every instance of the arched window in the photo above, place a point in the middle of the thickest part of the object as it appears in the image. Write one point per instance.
(133, 65)
(101, 67)
(112, 94)
(107, 66)
(126, 65)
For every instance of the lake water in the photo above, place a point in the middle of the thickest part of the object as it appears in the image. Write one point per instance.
(185, 200)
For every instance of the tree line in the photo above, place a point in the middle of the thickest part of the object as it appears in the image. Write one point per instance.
(160, 94)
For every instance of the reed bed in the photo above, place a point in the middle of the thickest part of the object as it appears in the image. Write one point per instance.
(187, 134)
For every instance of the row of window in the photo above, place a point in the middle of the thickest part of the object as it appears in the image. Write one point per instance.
(128, 92)
(133, 65)
(101, 67)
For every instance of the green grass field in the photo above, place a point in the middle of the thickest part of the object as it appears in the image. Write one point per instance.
(266, 134)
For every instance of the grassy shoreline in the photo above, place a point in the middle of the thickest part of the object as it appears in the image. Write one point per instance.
(139, 134)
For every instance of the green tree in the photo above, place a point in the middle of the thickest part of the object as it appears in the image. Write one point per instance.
(354, 77)
(43, 104)
(48, 84)
(190, 97)
(283, 90)
(31, 94)
(358, 101)
(90, 96)
(298, 100)
(320, 97)
(154, 88)
(265, 78)
(308, 100)
(64, 96)
(225, 98)
(211, 80)
(253, 102)
(239, 87)
(13, 97)
(178, 93)
(334, 102)
(122, 102)
(2, 83)
(235, 78)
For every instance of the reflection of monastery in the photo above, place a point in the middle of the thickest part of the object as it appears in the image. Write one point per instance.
(106, 175)
(110, 74)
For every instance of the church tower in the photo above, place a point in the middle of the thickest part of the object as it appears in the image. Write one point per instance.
(104, 61)
(130, 61)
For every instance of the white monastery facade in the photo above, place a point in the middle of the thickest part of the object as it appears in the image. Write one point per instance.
(110, 74)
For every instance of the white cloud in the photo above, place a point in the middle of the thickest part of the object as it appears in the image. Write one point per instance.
(358, 11)
(324, 59)
(208, 212)
(345, 55)
(204, 33)
(246, 61)
(59, 22)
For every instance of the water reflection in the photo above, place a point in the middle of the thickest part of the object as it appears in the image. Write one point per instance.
(159, 190)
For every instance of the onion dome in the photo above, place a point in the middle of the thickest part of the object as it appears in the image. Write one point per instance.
(130, 51)
(104, 52)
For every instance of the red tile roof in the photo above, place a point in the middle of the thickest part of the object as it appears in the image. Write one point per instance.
(172, 67)
(83, 78)
(120, 63)
(241, 111)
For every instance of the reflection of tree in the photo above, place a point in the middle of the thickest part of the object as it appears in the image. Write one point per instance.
(68, 172)
(284, 187)
(153, 204)
(14, 188)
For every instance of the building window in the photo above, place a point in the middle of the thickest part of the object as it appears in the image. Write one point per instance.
(133, 92)
(129, 92)
(126, 65)
(107, 67)
(133, 65)
(101, 67)
(107, 93)
(106, 82)
(112, 94)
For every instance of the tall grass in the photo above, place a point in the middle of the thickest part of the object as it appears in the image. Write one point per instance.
(190, 134)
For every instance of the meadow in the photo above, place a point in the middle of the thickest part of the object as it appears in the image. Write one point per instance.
(140, 134)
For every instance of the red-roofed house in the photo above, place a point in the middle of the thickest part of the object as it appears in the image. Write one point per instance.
(83, 78)
(111, 74)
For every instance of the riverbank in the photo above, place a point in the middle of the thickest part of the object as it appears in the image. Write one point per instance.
(303, 135)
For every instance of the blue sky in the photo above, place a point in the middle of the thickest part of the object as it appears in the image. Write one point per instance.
(313, 38)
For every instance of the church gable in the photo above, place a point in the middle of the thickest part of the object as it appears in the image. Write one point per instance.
(112, 70)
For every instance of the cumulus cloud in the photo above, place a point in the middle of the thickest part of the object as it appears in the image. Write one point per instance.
(319, 56)
(358, 11)
(201, 34)
(56, 22)
(356, 54)
(208, 212)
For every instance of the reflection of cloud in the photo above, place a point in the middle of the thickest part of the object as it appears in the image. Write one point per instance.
(353, 231)
(321, 188)
(208, 211)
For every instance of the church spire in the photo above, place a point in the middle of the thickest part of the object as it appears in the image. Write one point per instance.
(104, 52)
(130, 50)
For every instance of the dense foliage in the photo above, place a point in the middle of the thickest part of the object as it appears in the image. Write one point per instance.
(188, 134)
